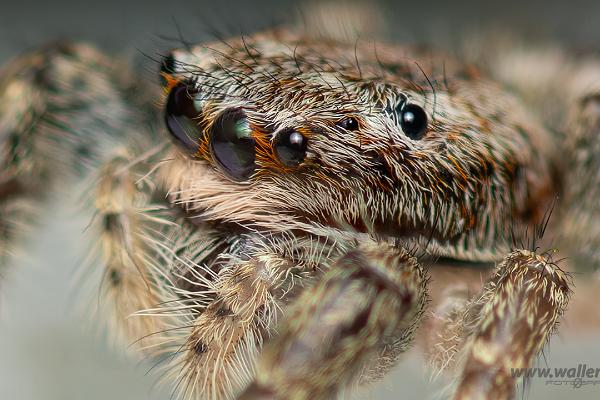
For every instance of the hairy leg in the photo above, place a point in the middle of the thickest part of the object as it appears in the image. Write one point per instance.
(61, 109)
(582, 189)
(129, 231)
(366, 306)
(509, 323)
(440, 335)
(224, 304)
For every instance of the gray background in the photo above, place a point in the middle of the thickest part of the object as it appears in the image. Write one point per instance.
(49, 349)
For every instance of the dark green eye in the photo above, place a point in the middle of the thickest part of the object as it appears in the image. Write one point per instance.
(180, 118)
(290, 146)
(232, 144)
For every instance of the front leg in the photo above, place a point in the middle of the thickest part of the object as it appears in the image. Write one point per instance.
(223, 305)
(367, 305)
(509, 323)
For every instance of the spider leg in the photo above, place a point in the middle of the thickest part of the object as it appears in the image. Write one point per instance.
(580, 222)
(370, 300)
(61, 108)
(214, 354)
(508, 324)
(130, 234)
(228, 307)
(440, 335)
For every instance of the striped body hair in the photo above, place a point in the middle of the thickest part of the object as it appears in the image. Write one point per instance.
(477, 171)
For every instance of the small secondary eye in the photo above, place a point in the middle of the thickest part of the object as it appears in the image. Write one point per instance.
(349, 123)
(232, 144)
(290, 146)
(180, 117)
(413, 120)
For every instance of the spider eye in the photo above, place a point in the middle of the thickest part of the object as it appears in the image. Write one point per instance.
(232, 144)
(413, 120)
(180, 117)
(290, 146)
(349, 123)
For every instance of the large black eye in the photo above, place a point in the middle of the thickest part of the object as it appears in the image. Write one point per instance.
(180, 117)
(349, 123)
(413, 120)
(290, 146)
(232, 144)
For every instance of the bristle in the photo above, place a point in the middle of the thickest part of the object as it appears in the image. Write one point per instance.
(127, 224)
(222, 307)
(508, 325)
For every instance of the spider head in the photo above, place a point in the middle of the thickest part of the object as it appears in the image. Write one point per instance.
(281, 134)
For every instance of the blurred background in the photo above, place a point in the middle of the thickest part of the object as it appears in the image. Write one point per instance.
(49, 348)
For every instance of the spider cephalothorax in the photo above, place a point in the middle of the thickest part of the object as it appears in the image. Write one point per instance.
(293, 134)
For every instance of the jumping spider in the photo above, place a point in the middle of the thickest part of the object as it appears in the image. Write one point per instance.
(312, 188)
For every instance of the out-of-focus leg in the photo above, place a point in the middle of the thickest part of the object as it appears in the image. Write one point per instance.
(370, 299)
(61, 108)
